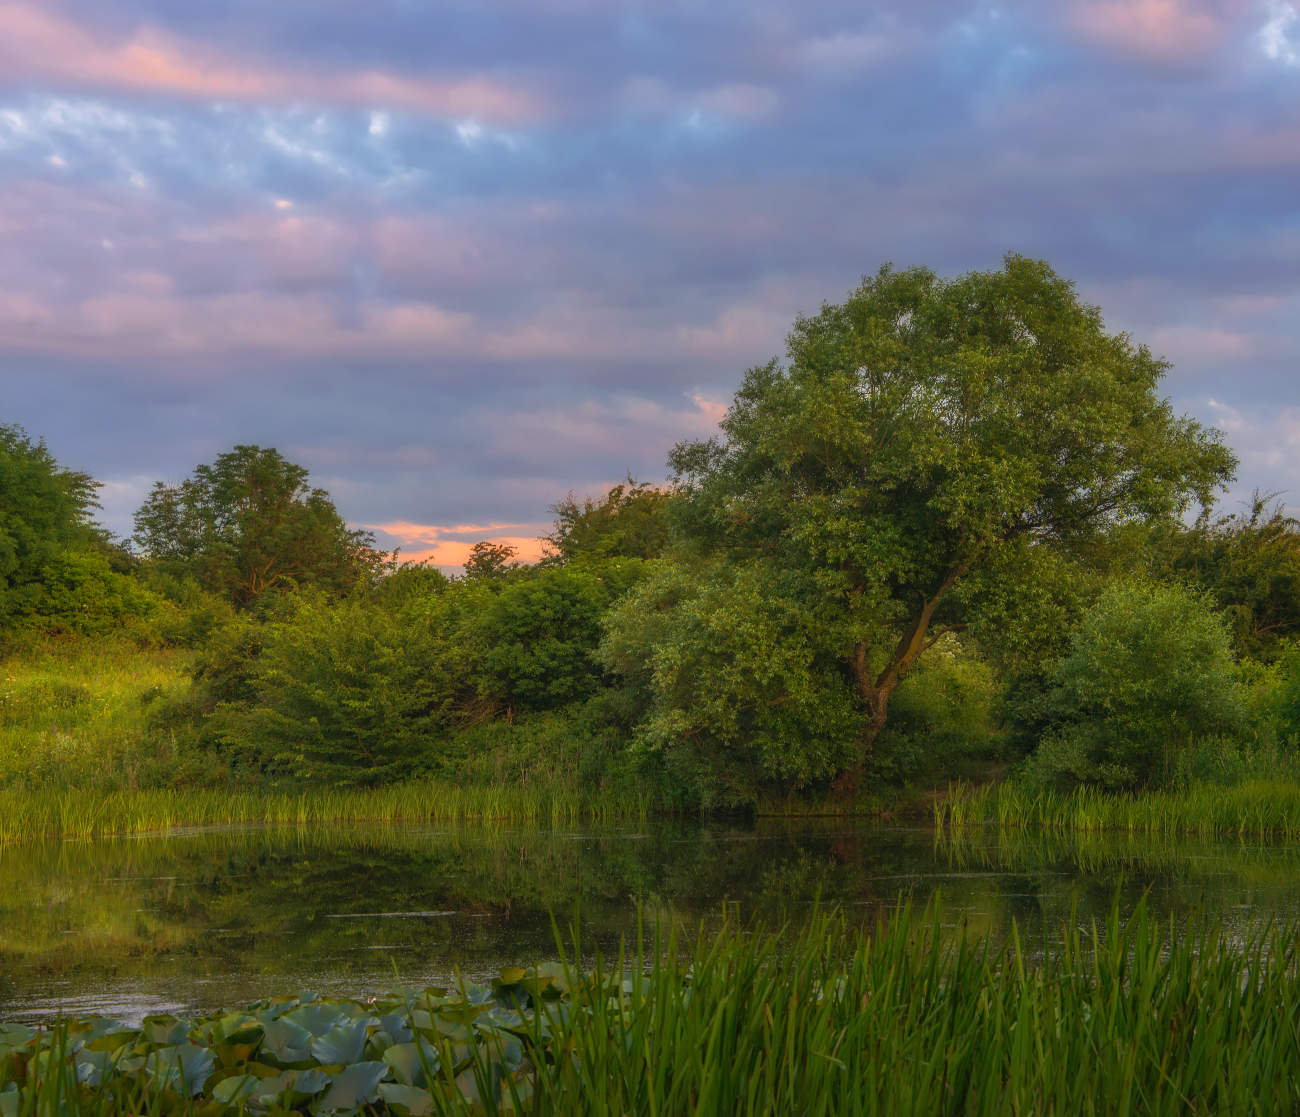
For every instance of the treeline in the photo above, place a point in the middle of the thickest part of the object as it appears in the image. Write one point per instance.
(948, 537)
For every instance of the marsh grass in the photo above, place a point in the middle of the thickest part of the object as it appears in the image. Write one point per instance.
(1259, 808)
(47, 813)
(1129, 1016)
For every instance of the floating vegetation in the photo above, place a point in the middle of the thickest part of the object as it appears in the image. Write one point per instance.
(1129, 1016)
(51, 813)
(1255, 808)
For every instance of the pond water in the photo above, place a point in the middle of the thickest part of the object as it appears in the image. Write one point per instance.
(192, 921)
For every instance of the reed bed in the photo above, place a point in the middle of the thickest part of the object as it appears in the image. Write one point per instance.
(1255, 808)
(1132, 1016)
(56, 813)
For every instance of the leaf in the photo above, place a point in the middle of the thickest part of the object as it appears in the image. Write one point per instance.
(344, 1044)
(235, 1089)
(412, 1063)
(181, 1067)
(353, 1088)
(286, 1042)
(317, 1018)
(162, 1030)
(407, 1101)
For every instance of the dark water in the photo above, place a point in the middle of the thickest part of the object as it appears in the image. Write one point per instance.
(196, 920)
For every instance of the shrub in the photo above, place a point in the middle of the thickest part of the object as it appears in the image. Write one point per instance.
(1149, 671)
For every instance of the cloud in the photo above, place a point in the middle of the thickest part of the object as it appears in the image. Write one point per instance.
(38, 45)
(449, 545)
(1275, 37)
(1165, 31)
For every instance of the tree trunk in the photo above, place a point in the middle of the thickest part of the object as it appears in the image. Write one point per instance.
(876, 690)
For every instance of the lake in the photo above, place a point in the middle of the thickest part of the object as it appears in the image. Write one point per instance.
(191, 921)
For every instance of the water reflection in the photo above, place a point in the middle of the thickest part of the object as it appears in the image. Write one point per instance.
(195, 920)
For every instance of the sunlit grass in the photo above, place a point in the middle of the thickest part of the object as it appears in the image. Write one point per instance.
(1259, 808)
(74, 714)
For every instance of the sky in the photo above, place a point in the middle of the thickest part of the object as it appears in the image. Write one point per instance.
(462, 258)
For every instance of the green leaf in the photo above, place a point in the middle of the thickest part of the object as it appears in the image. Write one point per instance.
(407, 1101)
(358, 1085)
(412, 1063)
(344, 1044)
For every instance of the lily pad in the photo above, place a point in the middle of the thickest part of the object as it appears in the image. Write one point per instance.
(356, 1086)
(344, 1044)
(184, 1066)
(412, 1063)
(406, 1101)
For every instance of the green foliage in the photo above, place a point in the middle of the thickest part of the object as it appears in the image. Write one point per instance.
(741, 689)
(1149, 671)
(490, 560)
(923, 429)
(629, 521)
(540, 630)
(944, 719)
(1250, 564)
(56, 567)
(347, 692)
(249, 523)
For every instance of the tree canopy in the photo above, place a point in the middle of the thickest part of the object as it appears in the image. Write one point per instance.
(250, 523)
(922, 433)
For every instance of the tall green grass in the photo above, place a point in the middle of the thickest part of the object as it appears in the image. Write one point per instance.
(1133, 1016)
(46, 813)
(1257, 807)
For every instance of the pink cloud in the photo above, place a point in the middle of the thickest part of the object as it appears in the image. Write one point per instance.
(1165, 31)
(37, 44)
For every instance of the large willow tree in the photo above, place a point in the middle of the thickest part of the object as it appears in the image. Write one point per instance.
(927, 433)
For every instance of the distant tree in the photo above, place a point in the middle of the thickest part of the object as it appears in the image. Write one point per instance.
(249, 523)
(56, 564)
(490, 560)
(1249, 562)
(926, 432)
(629, 521)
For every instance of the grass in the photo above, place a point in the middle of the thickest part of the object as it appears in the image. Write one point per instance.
(1259, 808)
(1133, 1016)
(74, 714)
(65, 814)
(78, 759)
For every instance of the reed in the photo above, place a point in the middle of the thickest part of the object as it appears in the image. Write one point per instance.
(1129, 1016)
(57, 813)
(1256, 808)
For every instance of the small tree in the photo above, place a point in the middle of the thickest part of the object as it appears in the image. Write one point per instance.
(249, 523)
(1149, 670)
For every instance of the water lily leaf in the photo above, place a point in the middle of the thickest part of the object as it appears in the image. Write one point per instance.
(112, 1041)
(317, 1018)
(234, 1028)
(9, 1101)
(236, 1088)
(14, 1037)
(344, 1044)
(292, 1088)
(92, 1066)
(353, 1088)
(398, 1026)
(406, 1101)
(412, 1063)
(181, 1067)
(512, 975)
(286, 1042)
(163, 1030)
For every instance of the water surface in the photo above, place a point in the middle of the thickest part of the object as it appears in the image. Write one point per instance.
(200, 919)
